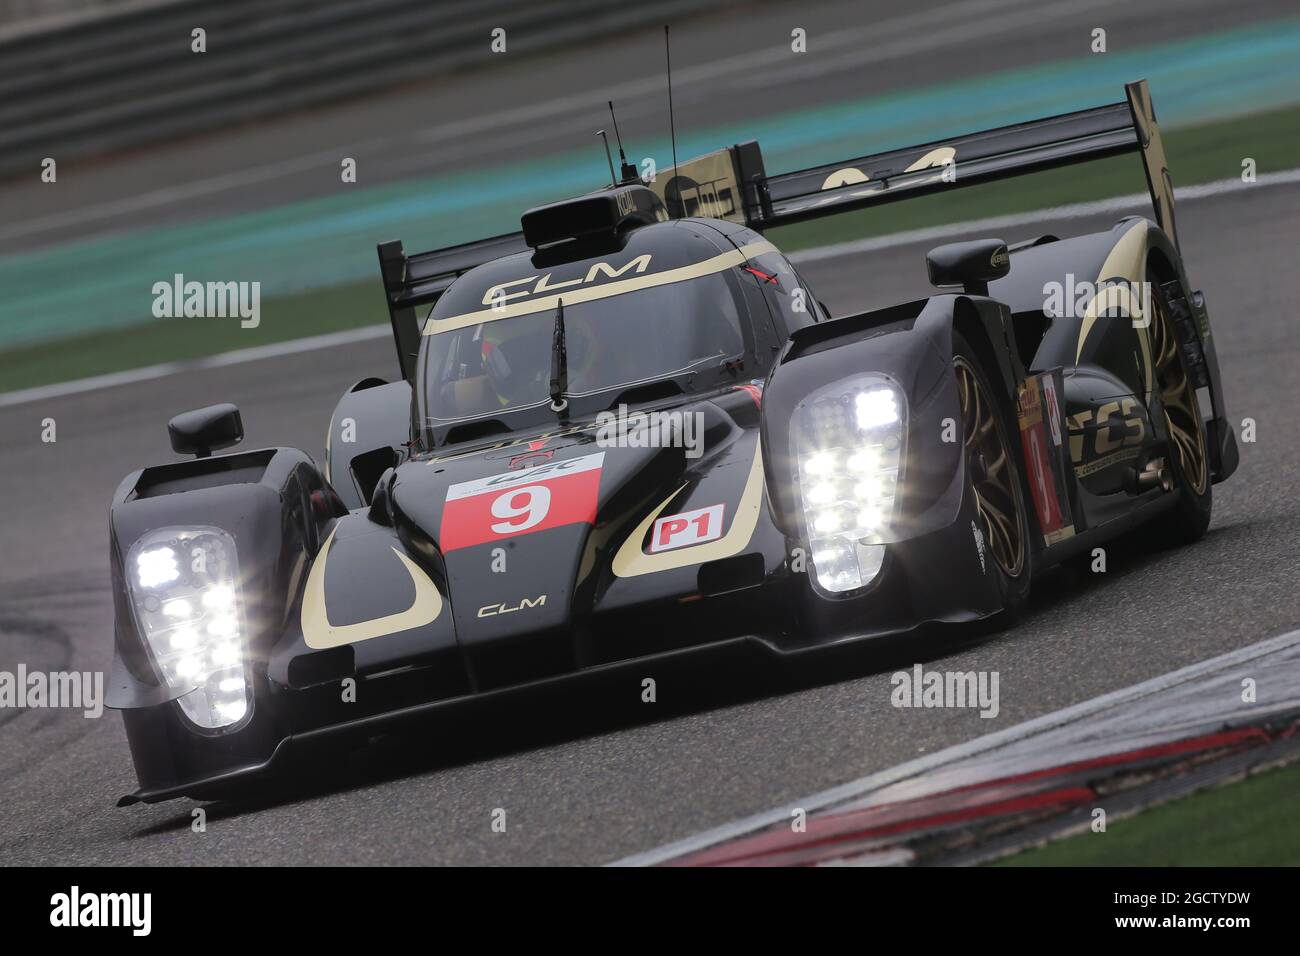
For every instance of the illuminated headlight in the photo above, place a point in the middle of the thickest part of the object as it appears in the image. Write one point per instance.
(849, 444)
(184, 583)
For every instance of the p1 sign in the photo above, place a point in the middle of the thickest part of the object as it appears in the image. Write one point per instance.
(689, 527)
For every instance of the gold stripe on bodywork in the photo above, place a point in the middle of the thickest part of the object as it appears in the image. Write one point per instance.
(1153, 156)
(631, 560)
(852, 175)
(752, 250)
(548, 303)
(319, 633)
(848, 176)
(1127, 259)
(935, 158)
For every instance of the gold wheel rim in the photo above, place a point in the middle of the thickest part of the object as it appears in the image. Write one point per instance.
(1178, 399)
(997, 497)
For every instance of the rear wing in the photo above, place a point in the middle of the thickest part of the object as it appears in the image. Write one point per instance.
(731, 184)
(767, 201)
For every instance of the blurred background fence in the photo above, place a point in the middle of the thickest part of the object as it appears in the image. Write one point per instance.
(110, 75)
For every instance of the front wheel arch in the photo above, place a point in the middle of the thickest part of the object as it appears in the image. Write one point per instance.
(1014, 590)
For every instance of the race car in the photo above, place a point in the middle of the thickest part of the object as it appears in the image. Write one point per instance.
(630, 435)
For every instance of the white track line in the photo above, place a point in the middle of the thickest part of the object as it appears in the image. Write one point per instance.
(237, 357)
(838, 250)
(871, 782)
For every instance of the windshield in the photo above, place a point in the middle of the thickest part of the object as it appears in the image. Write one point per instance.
(613, 342)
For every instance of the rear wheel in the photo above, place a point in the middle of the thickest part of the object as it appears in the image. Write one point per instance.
(993, 469)
(1188, 460)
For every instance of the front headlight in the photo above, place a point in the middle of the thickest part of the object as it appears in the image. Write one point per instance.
(849, 444)
(184, 583)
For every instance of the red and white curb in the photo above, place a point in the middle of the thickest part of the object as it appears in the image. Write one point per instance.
(1032, 769)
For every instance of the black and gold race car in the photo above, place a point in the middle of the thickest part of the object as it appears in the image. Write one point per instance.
(629, 434)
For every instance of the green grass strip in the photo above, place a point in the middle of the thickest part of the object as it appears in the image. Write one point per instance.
(1249, 823)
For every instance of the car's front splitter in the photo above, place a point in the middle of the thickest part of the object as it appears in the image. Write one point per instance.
(735, 653)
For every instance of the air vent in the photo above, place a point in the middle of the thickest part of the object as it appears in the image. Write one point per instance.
(731, 574)
(321, 667)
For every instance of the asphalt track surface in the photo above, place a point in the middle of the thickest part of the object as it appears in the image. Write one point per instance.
(589, 786)
(593, 784)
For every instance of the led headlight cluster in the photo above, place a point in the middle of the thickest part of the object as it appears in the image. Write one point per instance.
(184, 583)
(849, 443)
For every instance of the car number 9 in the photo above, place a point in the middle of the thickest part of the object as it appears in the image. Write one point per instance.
(536, 502)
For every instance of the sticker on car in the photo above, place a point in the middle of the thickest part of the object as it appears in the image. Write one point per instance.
(689, 527)
(504, 506)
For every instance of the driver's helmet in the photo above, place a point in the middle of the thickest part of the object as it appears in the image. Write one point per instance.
(517, 356)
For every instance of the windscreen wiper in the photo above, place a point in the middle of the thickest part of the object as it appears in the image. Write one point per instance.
(559, 362)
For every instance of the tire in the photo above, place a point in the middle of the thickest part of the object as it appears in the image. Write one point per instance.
(1188, 462)
(995, 478)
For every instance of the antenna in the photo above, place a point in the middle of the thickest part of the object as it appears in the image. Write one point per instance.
(627, 169)
(559, 362)
(613, 180)
(672, 129)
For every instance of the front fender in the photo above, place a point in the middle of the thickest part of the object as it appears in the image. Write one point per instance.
(910, 344)
(368, 434)
(272, 502)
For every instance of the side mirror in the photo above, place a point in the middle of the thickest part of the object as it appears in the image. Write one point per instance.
(971, 265)
(202, 430)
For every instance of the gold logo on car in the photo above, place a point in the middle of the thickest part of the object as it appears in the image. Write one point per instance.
(492, 610)
(319, 633)
(631, 560)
